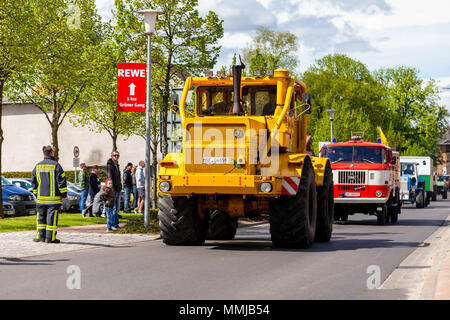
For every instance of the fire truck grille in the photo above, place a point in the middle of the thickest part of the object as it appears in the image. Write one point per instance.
(351, 188)
(352, 177)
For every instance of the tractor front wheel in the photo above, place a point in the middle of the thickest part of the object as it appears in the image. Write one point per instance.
(293, 218)
(221, 226)
(179, 222)
(325, 207)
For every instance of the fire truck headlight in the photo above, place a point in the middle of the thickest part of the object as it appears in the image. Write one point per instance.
(378, 193)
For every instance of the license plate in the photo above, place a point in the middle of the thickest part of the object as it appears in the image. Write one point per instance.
(352, 194)
(215, 160)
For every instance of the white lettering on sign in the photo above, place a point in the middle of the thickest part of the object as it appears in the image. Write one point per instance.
(127, 73)
(132, 86)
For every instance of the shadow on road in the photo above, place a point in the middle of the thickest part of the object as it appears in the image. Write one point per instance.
(401, 222)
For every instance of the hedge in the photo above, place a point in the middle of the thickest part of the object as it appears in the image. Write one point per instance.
(70, 175)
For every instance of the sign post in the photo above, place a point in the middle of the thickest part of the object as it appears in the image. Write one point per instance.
(76, 161)
(131, 87)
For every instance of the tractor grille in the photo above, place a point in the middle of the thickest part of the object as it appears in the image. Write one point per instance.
(404, 184)
(351, 188)
(351, 177)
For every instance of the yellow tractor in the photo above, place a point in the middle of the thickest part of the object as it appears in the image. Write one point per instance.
(244, 153)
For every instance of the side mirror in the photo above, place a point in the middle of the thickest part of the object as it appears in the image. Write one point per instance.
(306, 101)
(174, 99)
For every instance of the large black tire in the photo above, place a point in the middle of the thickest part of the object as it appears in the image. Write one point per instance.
(221, 226)
(434, 196)
(444, 194)
(382, 217)
(420, 200)
(325, 207)
(179, 222)
(293, 218)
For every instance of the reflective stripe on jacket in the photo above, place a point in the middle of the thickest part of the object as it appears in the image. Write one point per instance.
(49, 182)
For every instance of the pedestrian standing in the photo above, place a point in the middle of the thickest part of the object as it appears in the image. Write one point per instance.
(50, 186)
(113, 173)
(83, 177)
(127, 186)
(135, 190)
(109, 197)
(140, 184)
(94, 184)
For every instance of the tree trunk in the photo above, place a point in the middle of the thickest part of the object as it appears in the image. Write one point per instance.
(55, 144)
(2, 214)
(114, 141)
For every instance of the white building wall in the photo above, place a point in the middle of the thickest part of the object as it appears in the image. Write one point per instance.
(26, 131)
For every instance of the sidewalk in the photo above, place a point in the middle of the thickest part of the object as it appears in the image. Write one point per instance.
(20, 244)
(425, 273)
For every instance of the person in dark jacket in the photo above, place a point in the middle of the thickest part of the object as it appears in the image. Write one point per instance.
(94, 186)
(135, 190)
(113, 173)
(83, 178)
(127, 186)
(109, 197)
(50, 186)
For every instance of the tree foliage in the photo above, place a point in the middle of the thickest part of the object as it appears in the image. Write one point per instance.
(272, 49)
(395, 99)
(56, 81)
(184, 44)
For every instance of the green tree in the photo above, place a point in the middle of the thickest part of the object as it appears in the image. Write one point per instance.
(271, 49)
(23, 30)
(412, 106)
(57, 79)
(341, 83)
(184, 43)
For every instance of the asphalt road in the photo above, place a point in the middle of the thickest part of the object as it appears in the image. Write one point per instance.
(245, 268)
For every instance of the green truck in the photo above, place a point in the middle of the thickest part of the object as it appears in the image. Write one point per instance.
(426, 171)
(442, 187)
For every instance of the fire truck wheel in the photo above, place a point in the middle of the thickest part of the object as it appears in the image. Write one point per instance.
(221, 226)
(420, 200)
(382, 216)
(325, 207)
(293, 218)
(179, 223)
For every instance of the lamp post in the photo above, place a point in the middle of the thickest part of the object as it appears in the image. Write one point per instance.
(150, 21)
(331, 112)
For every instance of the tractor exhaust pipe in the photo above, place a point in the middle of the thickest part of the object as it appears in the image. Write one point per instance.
(237, 75)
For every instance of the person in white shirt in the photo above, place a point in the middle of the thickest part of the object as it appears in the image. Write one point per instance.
(140, 185)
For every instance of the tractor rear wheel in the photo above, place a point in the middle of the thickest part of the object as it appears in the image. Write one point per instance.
(325, 207)
(179, 223)
(221, 226)
(293, 218)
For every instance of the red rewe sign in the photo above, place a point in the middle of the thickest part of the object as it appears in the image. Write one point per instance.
(131, 87)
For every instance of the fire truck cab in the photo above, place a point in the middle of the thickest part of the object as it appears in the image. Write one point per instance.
(366, 179)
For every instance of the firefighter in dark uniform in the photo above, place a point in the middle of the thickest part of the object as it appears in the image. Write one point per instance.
(50, 187)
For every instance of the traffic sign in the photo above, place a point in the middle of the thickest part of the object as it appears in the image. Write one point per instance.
(76, 152)
(76, 162)
(131, 87)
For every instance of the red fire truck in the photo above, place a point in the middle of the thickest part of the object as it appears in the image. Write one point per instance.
(366, 179)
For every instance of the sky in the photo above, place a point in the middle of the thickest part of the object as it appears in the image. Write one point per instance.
(379, 33)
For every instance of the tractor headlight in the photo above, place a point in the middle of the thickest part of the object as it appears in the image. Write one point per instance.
(378, 193)
(266, 187)
(164, 186)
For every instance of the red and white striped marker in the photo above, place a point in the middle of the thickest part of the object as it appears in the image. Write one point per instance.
(289, 185)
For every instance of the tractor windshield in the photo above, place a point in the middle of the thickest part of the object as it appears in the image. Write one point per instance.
(218, 101)
(408, 169)
(351, 154)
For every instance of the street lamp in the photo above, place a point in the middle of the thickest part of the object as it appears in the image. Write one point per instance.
(331, 112)
(150, 21)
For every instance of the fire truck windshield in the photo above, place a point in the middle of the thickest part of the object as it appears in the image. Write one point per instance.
(407, 168)
(360, 154)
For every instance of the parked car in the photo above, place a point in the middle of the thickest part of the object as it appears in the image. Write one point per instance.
(72, 202)
(24, 183)
(8, 209)
(22, 200)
